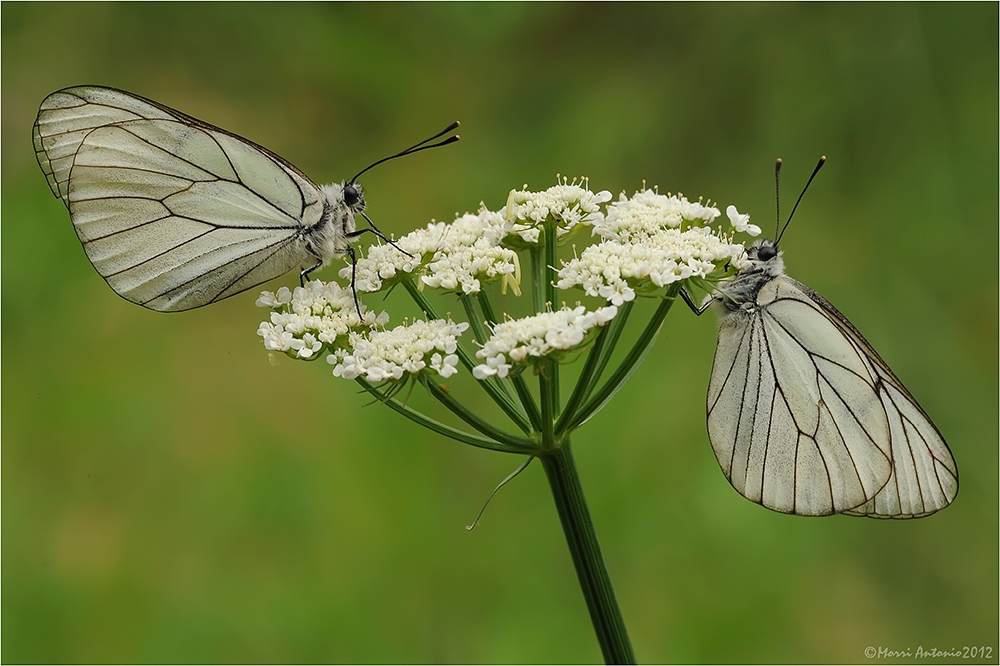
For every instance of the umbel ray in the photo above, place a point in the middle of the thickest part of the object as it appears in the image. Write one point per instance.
(804, 416)
(175, 213)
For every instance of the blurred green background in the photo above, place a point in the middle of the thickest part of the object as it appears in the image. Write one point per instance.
(171, 496)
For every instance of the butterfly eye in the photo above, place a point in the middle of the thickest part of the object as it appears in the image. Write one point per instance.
(767, 252)
(351, 195)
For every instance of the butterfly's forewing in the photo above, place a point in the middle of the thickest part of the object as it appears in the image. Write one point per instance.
(173, 213)
(794, 415)
(924, 474)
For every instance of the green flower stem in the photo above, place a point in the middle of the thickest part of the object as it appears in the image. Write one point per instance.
(616, 327)
(551, 260)
(585, 381)
(551, 257)
(538, 273)
(418, 297)
(492, 386)
(585, 550)
(526, 420)
(478, 323)
(548, 395)
(487, 307)
(528, 400)
(520, 386)
(630, 363)
(436, 426)
(476, 320)
(518, 444)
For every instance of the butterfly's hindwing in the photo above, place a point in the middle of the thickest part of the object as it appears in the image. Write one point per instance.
(924, 477)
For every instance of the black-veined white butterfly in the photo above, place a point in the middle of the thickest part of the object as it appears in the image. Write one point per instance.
(175, 213)
(804, 415)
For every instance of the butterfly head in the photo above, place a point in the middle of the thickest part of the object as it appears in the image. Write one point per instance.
(764, 257)
(763, 264)
(354, 197)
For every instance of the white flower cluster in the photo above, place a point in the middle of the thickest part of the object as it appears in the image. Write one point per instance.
(647, 212)
(382, 355)
(567, 203)
(516, 340)
(384, 262)
(453, 256)
(645, 248)
(472, 251)
(311, 316)
(613, 270)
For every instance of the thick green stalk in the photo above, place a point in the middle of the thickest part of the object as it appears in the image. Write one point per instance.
(487, 307)
(528, 400)
(551, 261)
(476, 321)
(585, 550)
(468, 360)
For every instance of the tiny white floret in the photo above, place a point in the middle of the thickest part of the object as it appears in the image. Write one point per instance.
(741, 221)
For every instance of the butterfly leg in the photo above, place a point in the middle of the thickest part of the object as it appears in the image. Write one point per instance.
(375, 230)
(304, 274)
(697, 309)
(352, 253)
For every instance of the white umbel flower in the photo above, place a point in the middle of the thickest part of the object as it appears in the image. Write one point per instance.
(647, 212)
(567, 203)
(521, 340)
(406, 349)
(615, 270)
(651, 240)
(384, 262)
(471, 251)
(311, 316)
(455, 256)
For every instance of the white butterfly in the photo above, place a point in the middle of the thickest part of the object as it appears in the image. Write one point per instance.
(175, 213)
(804, 415)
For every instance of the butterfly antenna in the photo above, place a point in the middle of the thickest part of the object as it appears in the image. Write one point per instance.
(416, 148)
(777, 198)
(819, 166)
